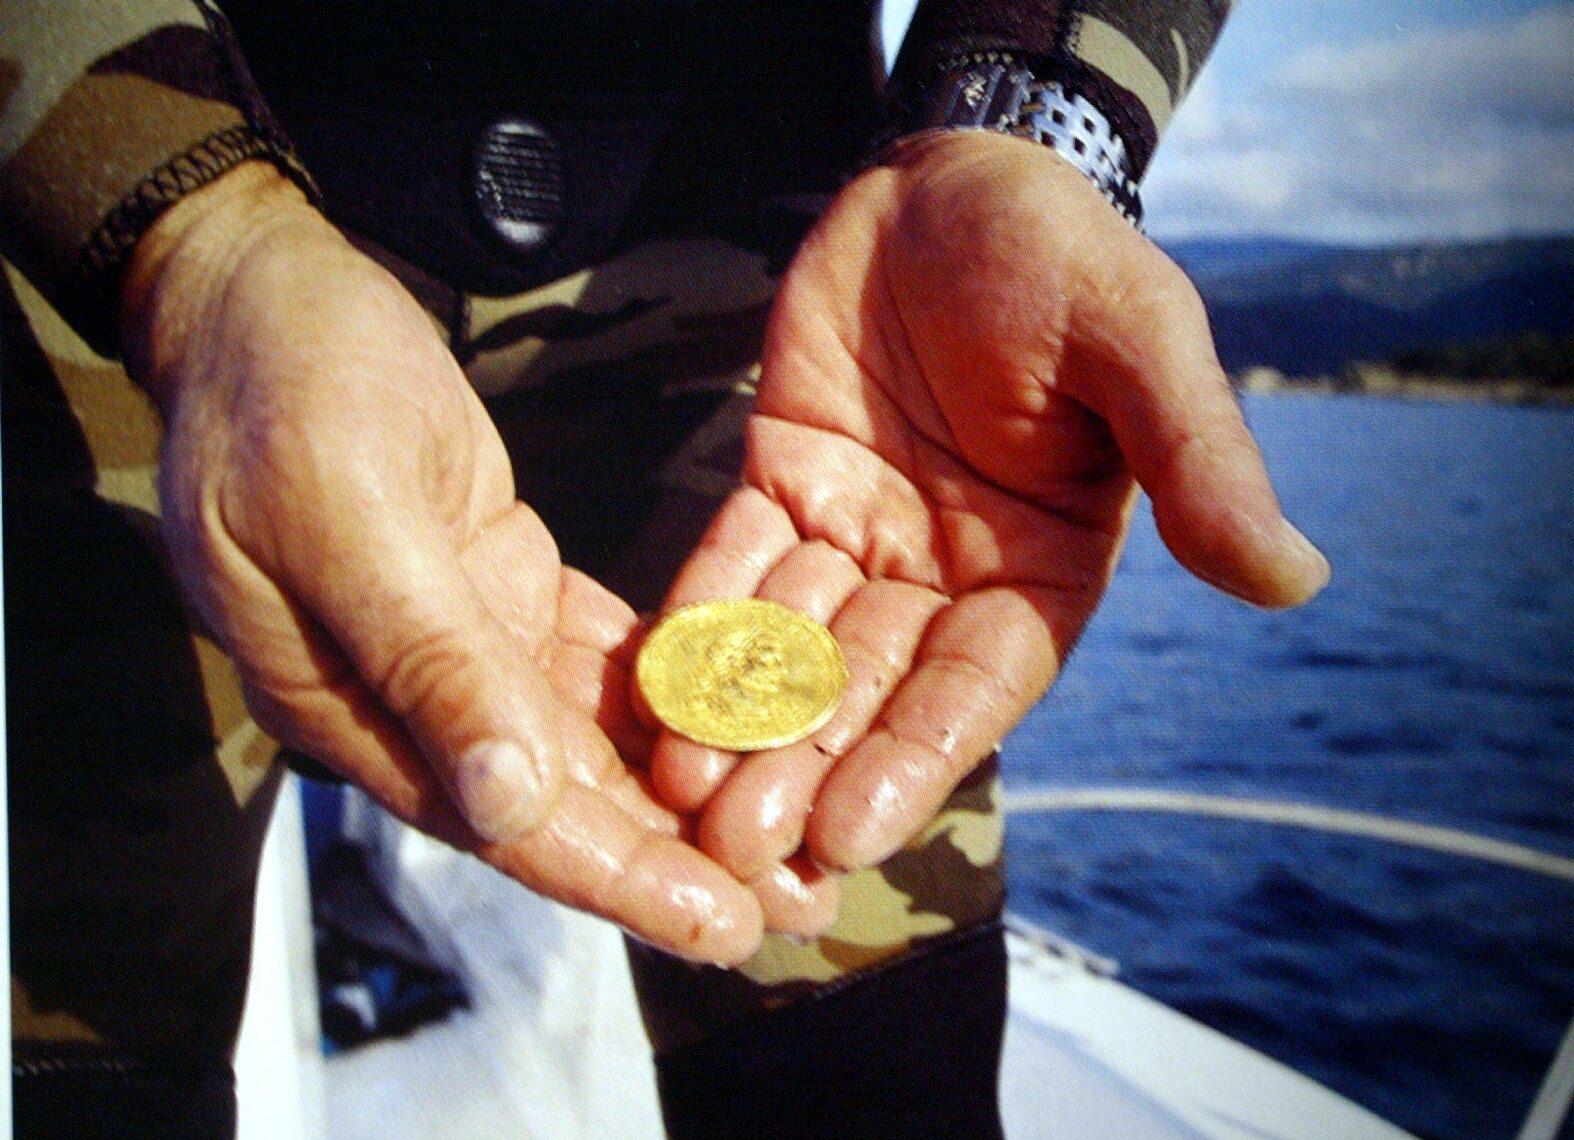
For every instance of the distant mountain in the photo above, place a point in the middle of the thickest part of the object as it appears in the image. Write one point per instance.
(1225, 257)
(1310, 309)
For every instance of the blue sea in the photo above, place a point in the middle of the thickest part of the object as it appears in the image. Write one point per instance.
(1432, 681)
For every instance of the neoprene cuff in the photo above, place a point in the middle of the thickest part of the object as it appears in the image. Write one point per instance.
(995, 91)
(122, 111)
(1133, 60)
(89, 302)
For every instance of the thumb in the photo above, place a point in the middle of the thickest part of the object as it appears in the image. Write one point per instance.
(483, 715)
(1178, 425)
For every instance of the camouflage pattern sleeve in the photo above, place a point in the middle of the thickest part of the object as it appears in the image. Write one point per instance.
(1132, 59)
(109, 113)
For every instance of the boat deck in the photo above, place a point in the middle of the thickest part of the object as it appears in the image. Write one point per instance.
(552, 1045)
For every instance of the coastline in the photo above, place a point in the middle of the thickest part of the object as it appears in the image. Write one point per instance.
(1383, 380)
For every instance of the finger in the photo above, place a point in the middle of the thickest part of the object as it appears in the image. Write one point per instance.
(600, 687)
(588, 854)
(758, 816)
(591, 615)
(399, 604)
(1160, 386)
(879, 630)
(797, 898)
(513, 565)
(592, 856)
(587, 659)
(685, 773)
(340, 724)
(589, 652)
(813, 578)
(746, 538)
(594, 763)
(983, 662)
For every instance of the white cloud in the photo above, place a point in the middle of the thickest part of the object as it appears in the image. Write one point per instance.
(1450, 133)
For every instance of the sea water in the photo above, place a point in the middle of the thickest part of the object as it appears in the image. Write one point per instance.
(1432, 681)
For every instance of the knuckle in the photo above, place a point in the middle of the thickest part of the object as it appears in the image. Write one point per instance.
(426, 676)
(611, 888)
(1181, 449)
(1169, 296)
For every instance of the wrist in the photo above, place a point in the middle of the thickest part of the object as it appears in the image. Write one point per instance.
(993, 92)
(175, 273)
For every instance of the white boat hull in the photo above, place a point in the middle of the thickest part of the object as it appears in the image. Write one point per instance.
(553, 1047)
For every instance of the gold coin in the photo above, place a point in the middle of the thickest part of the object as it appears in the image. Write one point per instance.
(742, 675)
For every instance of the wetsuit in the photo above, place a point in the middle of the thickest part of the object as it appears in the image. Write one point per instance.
(679, 151)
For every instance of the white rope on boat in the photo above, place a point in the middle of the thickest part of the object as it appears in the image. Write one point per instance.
(1059, 947)
(1429, 836)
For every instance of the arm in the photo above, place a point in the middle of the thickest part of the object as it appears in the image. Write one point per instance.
(1134, 60)
(971, 365)
(337, 505)
(111, 114)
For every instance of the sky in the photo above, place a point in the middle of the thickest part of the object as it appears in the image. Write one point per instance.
(1372, 122)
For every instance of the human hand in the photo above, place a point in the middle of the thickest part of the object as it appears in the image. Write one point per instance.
(968, 363)
(340, 512)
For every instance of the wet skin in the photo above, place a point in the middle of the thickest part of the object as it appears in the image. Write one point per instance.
(970, 365)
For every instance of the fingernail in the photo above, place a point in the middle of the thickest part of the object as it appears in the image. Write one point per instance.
(498, 790)
(1313, 569)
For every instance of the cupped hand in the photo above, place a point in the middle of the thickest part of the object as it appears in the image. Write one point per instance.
(340, 512)
(970, 362)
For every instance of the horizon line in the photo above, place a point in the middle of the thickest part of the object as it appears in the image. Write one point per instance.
(1356, 244)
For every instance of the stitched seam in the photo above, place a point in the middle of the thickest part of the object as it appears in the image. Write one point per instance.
(245, 97)
(243, 93)
(63, 1066)
(101, 259)
(32, 1058)
(1067, 30)
(904, 98)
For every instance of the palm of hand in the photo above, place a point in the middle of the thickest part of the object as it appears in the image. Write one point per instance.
(341, 513)
(931, 471)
